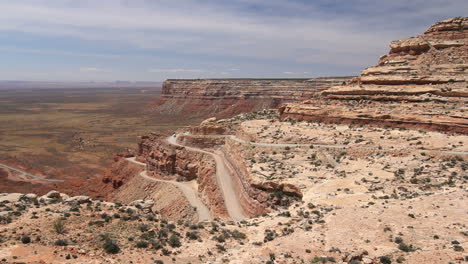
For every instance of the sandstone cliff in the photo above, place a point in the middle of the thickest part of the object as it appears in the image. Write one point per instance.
(435, 62)
(228, 97)
(421, 83)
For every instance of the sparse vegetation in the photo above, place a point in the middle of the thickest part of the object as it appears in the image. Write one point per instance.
(59, 226)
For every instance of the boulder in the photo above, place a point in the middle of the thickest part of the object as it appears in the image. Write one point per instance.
(10, 197)
(80, 199)
(53, 195)
(46, 200)
(144, 205)
(31, 196)
(64, 197)
(208, 121)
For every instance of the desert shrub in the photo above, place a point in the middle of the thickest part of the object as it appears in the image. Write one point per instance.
(404, 247)
(25, 239)
(148, 235)
(143, 227)
(155, 244)
(398, 240)
(59, 226)
(97, 223)
(193, 235)
(111, 247)
(61, 242)
(141, 244)
(5, 220)
(174, 241)
(385, 260)
(238, 235)
(458, 248)
(165, 252)
(220, 248)
(220, 238)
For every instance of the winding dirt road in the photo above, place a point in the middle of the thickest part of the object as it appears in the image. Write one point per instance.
(191, 195)
(29, 174)
(224, 180)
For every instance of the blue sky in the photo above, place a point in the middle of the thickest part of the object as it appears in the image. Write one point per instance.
(146, 40)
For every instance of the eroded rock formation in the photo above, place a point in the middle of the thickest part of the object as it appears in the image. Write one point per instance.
(421, 83)
(228, 97)
(166, 161)
(435, 62)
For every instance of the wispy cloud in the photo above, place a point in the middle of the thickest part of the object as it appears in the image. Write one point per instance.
(295, 73)
(264, 36)
(95, 70)
(176, 70)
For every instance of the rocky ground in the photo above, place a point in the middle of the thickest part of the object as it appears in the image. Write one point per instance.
(378, 198)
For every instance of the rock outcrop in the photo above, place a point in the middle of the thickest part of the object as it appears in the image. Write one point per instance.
(228, 97)
(166, 161)
(421, 83)
(435, 62)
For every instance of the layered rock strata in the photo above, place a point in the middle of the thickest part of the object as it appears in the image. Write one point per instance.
(123, 184)
(421, 83)
(228, 97)
(435, 62)
(166, 161)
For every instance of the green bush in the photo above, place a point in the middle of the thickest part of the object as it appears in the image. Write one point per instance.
(25, 239)
(385, 260)
(141, 244)
(111, 247)
(174, 241)
(61, 242)
(404, 247)
(238, 235)
(193, 235)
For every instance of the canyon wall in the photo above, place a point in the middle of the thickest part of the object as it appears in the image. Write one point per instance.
(122, 183)
(165, 161)
(421, 83)
(435, 62)
(228, 97)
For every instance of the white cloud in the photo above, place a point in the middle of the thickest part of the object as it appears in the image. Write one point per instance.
(95, 70)
(176, 70)
(291, 35)
(212, 29)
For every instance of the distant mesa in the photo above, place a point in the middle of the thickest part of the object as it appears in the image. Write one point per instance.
(228, 97)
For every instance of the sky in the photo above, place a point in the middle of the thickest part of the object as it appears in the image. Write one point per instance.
(153, 40)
